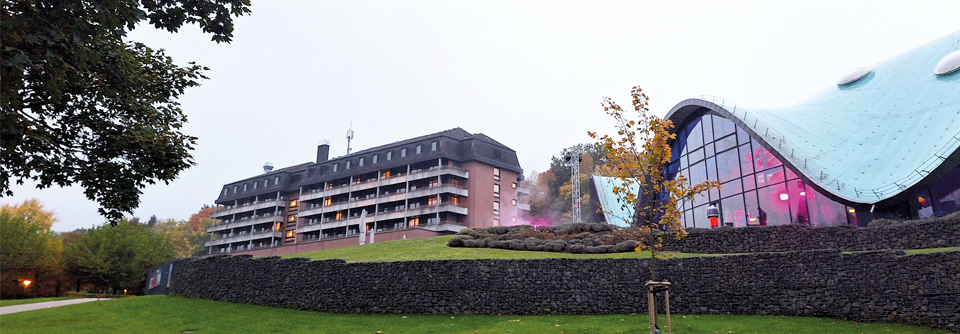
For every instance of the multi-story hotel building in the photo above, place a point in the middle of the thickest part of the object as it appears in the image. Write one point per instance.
(426, 186)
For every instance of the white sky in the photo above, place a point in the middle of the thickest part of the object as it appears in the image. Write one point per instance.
(529, 74)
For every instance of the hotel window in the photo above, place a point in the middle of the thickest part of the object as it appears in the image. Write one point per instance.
(293, 203)
(514, 185)
(496, 208)
(375, 158)
(348, 164)
(433, 146)
(496, 174)
(292, 218)
(276, 180)
(290, 234)
(234, 189)
(419, 149)
(432, 201)
(255, 185)
(335, 167)
(361, 162)
(414, 222)
(266, 183)
(277, 228)
(496, 190)
(496, 222)
(389, 156)
(244, 187)
(225, 191)
(514, 220)
(514, 202)
(327, 201)
(403, 153)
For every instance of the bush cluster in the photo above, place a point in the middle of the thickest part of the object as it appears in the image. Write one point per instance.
(577, 238)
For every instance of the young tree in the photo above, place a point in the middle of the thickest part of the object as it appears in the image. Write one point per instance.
(81, 105)
(117, 256)
(639, 156)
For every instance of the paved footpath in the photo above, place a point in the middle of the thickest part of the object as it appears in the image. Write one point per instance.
(43, 305)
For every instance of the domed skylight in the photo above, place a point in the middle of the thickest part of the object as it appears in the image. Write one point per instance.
(948, 64)
(854, 75)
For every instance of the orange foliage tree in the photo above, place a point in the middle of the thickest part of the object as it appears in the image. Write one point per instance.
(639, 154)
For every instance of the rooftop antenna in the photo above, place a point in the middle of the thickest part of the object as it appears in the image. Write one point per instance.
(349, 137)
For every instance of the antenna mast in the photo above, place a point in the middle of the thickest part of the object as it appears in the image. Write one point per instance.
(349, 137)
(572, 156)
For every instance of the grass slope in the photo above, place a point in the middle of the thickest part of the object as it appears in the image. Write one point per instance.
(161, 314)
(436, 249)
(11, 302)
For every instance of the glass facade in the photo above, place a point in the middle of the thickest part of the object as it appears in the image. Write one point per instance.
(756, 188)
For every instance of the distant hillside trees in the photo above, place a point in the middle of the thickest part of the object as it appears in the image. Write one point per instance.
(30, 251)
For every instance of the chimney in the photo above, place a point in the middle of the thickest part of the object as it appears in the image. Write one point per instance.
(267, 167)
(323, 151)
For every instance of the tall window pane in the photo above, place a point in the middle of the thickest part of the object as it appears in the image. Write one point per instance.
(746, 159)
(700, 217)
(824, 211)
(752, 208)
(774, 205)
(695, 136)
(770, 176)
(731, 188)
(707, 126)
(798, 202)
(728, 165)
(696, 155)
(723, 127)
(733, 211)
(726, 142)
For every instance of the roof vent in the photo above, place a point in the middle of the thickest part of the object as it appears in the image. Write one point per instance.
(267, 167)
(857, 74)
(948, 64)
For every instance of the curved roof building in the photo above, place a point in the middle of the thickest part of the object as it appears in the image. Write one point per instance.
(882, 142)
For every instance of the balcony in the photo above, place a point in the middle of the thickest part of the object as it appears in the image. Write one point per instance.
(227, 225)
(523, 191)
(313, 194)
(430, 209)
(243, 237)
(441, 189)
(523, 206)
(231, 210)
(433, 172)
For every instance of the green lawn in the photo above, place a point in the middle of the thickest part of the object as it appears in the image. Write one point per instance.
(932, 250)
(11, 302)
(161, 314)
(436, 249)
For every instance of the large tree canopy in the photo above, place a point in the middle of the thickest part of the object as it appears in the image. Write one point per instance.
(81, 105)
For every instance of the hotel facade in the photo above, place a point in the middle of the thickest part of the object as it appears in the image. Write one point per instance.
(420, 187)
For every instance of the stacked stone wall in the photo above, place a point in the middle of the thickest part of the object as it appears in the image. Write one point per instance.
(909, 235)
(919, 289)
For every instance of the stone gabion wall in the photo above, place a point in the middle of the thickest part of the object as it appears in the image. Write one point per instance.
(873, 286)
(912, 235)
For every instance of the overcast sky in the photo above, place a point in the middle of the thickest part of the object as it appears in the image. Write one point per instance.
(528, 74)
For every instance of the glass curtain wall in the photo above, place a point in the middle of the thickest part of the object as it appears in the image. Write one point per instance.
(756, 188)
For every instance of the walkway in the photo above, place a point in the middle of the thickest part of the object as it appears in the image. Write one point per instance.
(43, 305)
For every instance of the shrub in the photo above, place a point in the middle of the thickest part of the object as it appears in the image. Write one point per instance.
(456, 242)
(467, 231)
